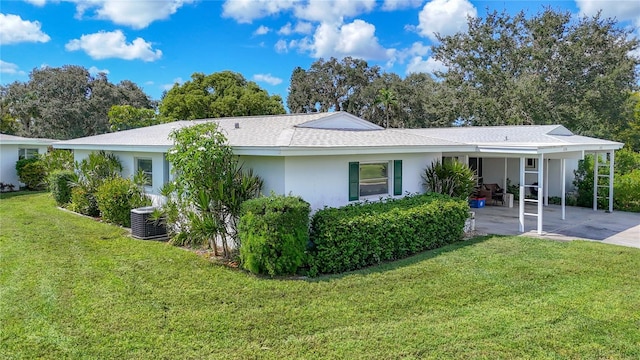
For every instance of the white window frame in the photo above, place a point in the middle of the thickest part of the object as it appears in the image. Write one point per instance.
(27, 153)
(148, 173)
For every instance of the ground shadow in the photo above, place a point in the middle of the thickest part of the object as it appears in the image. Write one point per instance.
(401, 263)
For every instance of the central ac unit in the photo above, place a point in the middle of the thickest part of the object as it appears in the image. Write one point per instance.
(144, 227)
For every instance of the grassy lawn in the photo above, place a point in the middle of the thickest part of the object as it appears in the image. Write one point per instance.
(71, 287)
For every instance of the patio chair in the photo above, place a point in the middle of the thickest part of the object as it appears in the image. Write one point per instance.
(493, 192)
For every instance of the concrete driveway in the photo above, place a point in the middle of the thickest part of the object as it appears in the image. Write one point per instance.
(619, 228)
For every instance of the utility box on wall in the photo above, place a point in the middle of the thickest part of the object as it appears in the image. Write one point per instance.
(143, 227)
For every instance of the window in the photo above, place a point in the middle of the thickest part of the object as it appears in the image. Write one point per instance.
(531, 163)
(372, 178)
(146, 166)
(27, 153)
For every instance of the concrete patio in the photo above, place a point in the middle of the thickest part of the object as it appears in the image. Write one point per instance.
(619, 228)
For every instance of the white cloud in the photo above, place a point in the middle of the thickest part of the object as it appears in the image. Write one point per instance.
(267, 78)
(10, 68)
(136, 14)
(94, 70)
(333, 11)
(418, 64)
(301, 27)
(446, 17)
(14, 30)
(103, 45)
(620, 9)
(262, 30)
(391, 5)
(245, 11)
(281, 46)
(355, 39)
(37, 2)
(168, 87)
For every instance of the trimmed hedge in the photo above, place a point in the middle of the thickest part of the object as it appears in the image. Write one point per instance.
(274, 234)
(360, 235)
(60, 183)
(116, 197)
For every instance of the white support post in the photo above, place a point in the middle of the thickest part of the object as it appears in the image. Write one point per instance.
(563, 168)
(541, 188)
(504, 183)
(546, 181)
(611, 160)
(595, 180)
(521, 201)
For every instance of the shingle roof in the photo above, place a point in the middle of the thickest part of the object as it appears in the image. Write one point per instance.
(12, 139)
(341, 130)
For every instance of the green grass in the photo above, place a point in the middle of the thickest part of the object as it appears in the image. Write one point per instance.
(72, 287)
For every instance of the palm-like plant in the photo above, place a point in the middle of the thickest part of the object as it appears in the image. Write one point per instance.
(387, 99)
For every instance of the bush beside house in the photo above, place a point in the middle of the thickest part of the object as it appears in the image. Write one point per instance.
(116, 197)
(360, 235)
(274, 233)
(60, 184)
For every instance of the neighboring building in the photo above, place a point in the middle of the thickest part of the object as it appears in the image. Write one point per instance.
(331, 159)
(13, 148)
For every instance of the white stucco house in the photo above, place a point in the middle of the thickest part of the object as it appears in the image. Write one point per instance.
(13, 148)
(332, 159)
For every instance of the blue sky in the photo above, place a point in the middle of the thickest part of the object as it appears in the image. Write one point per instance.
(156, 43)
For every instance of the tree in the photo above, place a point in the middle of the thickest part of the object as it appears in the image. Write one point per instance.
(331, 85)
(217, 95)
(66, 102)
(546, 69)
(387, 99)
(124, 117)
(204, 201)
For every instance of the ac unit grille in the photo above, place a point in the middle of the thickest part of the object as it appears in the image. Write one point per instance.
(142, 227)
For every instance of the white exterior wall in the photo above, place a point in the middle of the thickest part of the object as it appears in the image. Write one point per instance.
(493, 172)
(270, 169)
(324, 180)
(128, 160)
(9, 158)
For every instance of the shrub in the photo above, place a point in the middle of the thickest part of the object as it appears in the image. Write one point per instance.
(32, 173)
(57, 159)
(274, 233)
(359, 235)
(626, 191)
(83, 202)
(451, 178)
(60, 183)
(625, 182)
(116, 197)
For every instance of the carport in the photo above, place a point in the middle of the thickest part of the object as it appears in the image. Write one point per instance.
(530, 152)
(621, 228)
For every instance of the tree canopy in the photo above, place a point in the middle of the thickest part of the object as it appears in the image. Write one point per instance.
(541, 70)
(65, 102)
(221, 94)
(352, 85)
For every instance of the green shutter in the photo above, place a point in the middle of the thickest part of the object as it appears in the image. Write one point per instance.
(354, 181)
(397, 177)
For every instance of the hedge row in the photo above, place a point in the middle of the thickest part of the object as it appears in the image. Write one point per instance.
(360, 235)
(274, 234)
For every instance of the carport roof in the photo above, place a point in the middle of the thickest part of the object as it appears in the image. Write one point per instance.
(319, 133)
